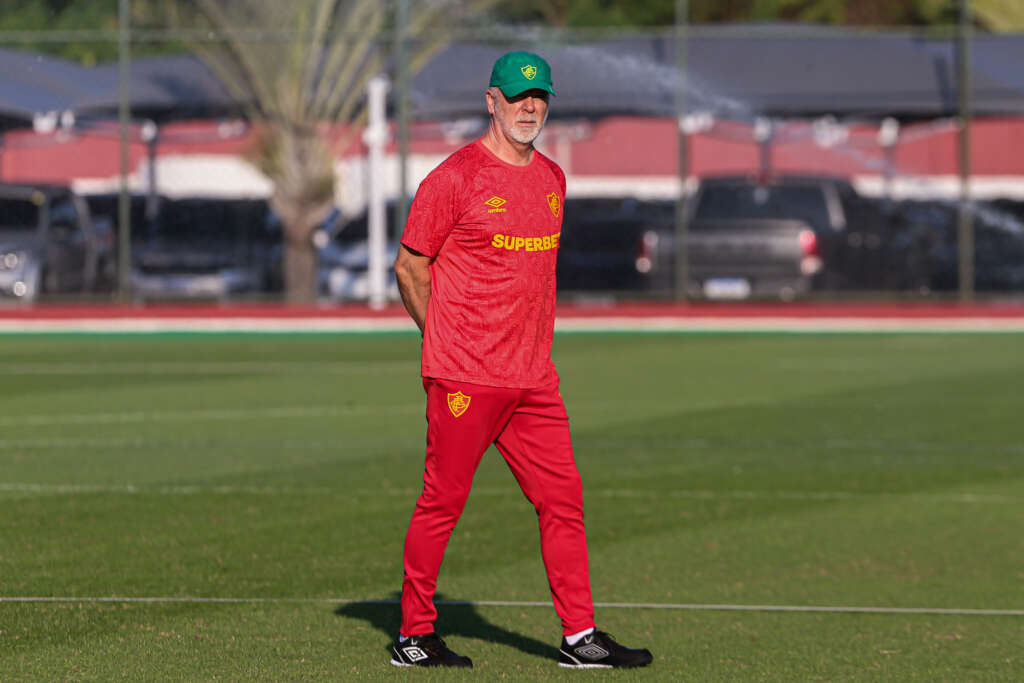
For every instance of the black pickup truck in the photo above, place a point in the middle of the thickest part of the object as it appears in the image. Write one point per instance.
(793, 234)
(765, 239)
(776, 238)
(746, 239)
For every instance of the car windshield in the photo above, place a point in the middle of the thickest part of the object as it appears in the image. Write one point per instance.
(18, 215)
(739, 202)
(200, 221)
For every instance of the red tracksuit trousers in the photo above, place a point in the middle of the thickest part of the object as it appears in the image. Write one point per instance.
(531, 430)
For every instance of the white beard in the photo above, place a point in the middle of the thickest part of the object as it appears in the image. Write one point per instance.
(523, 136)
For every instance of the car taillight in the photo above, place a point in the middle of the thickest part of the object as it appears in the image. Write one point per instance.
(810, 256)
(808, 243)
(645, 251)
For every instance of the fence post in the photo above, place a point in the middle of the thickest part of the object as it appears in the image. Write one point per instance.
(402, 109)
(965, 219)
(124, 202)
(682, 228)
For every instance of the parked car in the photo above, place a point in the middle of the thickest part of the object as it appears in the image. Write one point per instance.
(747, 237)
(602, 249)
(998, 243)
(197, 248)
(342, 259)
(49, 244)
(770, 237)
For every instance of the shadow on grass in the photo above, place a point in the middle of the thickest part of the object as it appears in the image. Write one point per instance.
(453, 619)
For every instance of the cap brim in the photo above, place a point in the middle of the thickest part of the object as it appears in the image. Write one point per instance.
(519, 87)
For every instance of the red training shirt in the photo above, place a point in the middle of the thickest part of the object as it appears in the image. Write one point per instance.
(492, 230)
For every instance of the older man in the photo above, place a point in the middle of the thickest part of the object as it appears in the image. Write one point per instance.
(477, 274)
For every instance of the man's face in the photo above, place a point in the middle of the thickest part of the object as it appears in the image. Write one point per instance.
(521, 117)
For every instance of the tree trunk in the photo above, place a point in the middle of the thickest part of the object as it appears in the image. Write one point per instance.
(299, 272)
(300, 219)
(303, 175)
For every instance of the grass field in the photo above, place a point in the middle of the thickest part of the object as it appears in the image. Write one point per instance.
(823, 470)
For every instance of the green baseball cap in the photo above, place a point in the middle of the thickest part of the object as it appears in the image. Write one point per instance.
(518, 72)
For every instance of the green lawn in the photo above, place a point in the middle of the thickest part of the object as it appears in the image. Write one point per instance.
(720, 470)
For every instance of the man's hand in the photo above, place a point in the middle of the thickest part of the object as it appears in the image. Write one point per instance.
(412, 270)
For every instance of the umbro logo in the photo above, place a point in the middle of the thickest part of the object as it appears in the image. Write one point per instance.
(414, 653)
(497, 204)
(591, 651)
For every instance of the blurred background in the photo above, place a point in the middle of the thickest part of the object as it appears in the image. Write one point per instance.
(254, 150)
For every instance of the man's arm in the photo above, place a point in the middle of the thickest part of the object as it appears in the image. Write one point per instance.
(412, 270)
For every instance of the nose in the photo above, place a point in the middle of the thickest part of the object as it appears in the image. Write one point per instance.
(530, 103)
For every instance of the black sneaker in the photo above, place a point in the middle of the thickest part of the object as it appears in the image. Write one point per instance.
(428, 650)
(599, 651)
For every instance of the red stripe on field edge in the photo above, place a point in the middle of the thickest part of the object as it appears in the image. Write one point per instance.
(639, 311)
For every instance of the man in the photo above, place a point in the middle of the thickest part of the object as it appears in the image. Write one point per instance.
(476, 271)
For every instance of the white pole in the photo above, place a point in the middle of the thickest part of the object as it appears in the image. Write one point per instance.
(375, 138)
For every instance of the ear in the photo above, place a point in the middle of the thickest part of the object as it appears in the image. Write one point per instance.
(490, 101)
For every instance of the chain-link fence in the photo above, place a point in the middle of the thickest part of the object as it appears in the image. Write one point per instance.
(725, 162)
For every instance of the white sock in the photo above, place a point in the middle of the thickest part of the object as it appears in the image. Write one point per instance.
(576, 637)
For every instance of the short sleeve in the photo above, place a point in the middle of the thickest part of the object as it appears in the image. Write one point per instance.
(432, 214)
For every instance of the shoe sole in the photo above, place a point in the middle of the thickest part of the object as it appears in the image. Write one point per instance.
(585, 666)
(395, 662)
(576, 664)
(581, 665)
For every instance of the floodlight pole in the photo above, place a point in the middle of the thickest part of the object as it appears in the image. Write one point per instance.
(965, 219)
(124, 206)
(682, 227)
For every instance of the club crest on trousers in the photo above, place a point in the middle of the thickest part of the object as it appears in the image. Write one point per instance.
(458, 403)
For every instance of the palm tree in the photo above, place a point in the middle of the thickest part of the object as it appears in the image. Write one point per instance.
(999, 15)
(301, 68)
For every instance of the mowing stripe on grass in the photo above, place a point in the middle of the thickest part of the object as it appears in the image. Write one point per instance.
(835, 609)
(146, 444)
(191, 490)
(889, 447)
(361, 367)
(281, 412)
